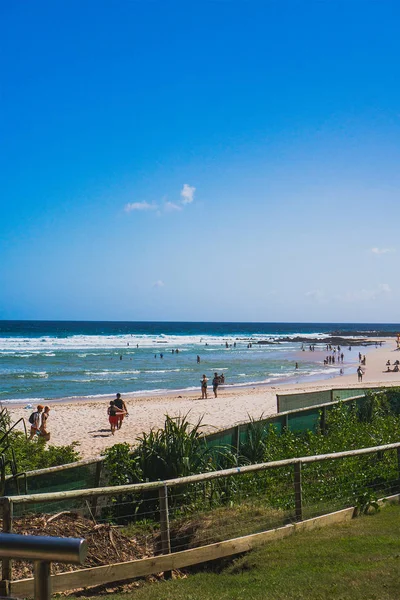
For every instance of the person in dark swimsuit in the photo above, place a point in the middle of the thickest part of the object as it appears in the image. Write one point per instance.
(215, 383)
(120, 404)
(113, 412)
(204, 387)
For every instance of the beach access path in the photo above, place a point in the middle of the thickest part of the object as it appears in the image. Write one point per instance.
(86, 421)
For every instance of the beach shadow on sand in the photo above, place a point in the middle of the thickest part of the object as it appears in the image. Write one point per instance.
(100, 433)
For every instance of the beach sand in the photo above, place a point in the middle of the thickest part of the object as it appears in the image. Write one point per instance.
(86, 421)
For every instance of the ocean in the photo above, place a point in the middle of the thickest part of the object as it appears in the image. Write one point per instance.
(42, 360)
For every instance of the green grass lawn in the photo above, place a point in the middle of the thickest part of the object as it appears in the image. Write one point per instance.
(359, 560)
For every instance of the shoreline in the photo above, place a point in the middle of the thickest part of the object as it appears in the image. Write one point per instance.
(85, 419)
(317, 357)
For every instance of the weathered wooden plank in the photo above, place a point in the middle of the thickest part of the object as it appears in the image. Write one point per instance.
(140, 568)
(74, 465)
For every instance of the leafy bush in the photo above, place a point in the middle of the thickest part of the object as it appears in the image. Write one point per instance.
(35, 454)
(178, 450)
(29, 455)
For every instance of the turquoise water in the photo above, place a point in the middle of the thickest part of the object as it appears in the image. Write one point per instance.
(40, 360)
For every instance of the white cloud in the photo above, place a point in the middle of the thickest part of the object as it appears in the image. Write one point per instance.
(381, 250)
(139, 206)
(187, 193)
(384, 288)
(158, 284)
(171, 207)
(187, 197)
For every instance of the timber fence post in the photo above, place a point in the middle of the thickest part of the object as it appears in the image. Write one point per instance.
(298, 491)
(6, 570)
(398, 465)
(323, 420)
(286, 422)
(237, 439)
(164, 521)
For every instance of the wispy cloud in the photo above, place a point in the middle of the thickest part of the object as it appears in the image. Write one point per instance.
(383, 289)
(187, 193)
(139, 206)
(382, 250)
(317, 295)
(164, 206)
(171, 207)
(158, 284)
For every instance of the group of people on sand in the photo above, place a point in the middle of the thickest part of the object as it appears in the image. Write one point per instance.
(395, 367)
(38, 421)
(116, 411)
(217, 381)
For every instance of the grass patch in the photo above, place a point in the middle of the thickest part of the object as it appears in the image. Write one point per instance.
(359, 560)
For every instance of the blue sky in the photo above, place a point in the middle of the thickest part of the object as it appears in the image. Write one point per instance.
(214, 160)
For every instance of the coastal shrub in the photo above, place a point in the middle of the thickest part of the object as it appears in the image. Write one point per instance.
(34, 454)
(178, 449)
(22, 454)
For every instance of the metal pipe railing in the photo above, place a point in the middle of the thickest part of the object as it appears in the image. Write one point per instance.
(42, 550)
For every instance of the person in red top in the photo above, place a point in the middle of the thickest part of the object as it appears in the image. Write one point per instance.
(113, 412)
(120, 404)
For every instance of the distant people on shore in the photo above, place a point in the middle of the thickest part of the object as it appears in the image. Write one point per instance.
(395, 367)
(120, 404)
(44, 434)
(38, 421)
(360, 373)
(204, 387)
(35, 421)
(198, 359)
(215, 384)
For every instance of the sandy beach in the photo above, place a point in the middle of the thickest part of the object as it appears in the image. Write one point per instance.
(87, 423)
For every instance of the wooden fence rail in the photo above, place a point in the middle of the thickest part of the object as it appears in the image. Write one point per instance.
(170, 483)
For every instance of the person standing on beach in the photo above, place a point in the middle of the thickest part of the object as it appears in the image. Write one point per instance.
(43, 427)
(112, 412)
(34, 420)
(120, 404)
(360, 374)
(215, 383)
(204, 387)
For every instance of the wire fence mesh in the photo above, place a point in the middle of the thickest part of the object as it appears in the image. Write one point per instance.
(215, 507)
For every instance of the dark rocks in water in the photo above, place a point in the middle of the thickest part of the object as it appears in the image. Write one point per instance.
(332, 339)
(363, 333)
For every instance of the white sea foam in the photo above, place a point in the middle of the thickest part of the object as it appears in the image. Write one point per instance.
(107, 372)
(162, 371)
(108, 342)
